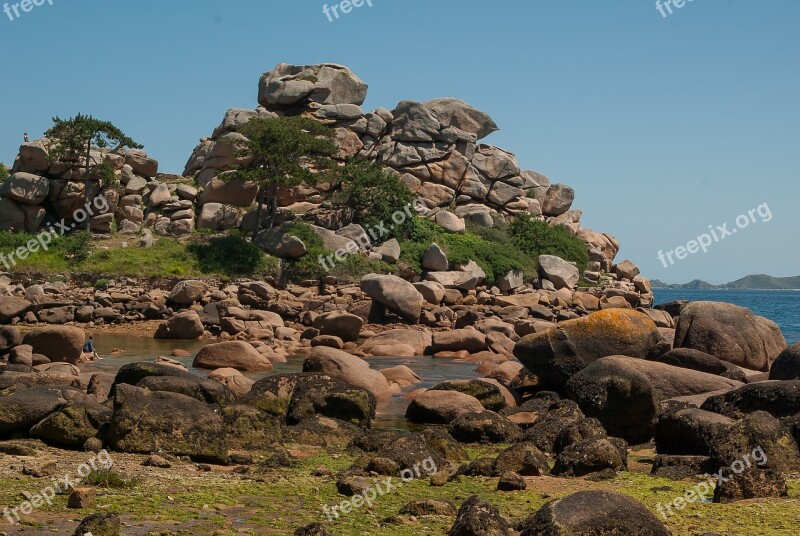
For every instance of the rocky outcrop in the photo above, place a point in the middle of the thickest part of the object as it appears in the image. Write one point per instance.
(432, 146)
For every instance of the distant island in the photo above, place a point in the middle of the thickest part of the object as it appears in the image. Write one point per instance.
(750, 282)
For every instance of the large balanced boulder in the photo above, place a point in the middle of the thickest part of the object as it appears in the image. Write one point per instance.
(730, 333)
(341, 324)
(594, 513)
(188, 292)
(457, 113)
(622, 398)
(558, 353)
(349, 369)
(298, 85)
(146, 422)
(26, 188)
(58, 343)
(397, 294)
(238, 355)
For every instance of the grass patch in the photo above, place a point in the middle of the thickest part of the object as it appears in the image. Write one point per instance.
(108, 478)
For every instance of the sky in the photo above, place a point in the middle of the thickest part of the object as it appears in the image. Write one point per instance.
(663, 125)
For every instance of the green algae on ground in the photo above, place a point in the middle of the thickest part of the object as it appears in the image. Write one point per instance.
(261, 500)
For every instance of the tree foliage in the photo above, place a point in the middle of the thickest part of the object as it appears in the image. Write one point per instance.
(282, 153)
(371, 197)
(3, 172)
(73, 140)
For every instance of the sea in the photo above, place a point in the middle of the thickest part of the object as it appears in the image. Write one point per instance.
(780, 306)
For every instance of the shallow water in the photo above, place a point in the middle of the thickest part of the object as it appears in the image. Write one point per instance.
(390, 413)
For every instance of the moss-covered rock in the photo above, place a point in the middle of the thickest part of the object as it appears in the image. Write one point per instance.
(73, 424)
(145, 422)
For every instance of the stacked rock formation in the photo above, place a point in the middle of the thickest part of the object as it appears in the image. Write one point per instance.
(432, 146)
(41, 192)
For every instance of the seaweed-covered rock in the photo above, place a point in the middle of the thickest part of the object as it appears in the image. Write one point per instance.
(593, 513)
(249, 428)
(780, 399)
(591, 455)
(145, 422)
(689, 431)
(72, 425)
(757, 440)
(620, 397)
(522, 458)
(476, 517)
(488, 395)
(484, 427)
(333, 399)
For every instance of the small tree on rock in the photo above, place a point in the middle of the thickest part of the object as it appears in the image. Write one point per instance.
(3, 172)
(282, 152)
(73, 141)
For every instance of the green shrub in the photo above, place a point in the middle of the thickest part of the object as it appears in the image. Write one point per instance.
(307, 266)
(231, 255)
(352, 268)
(534, 238)
(3, 172)
(108, 478)
(372, 197)
(496, 256)
(357, 266)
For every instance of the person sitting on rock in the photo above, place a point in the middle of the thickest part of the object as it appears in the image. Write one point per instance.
(26, 138)
(89, 351)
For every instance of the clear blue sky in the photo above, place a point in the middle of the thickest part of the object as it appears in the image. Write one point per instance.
(662, 125)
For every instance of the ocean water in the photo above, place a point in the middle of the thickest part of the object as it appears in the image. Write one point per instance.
(780, 306)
